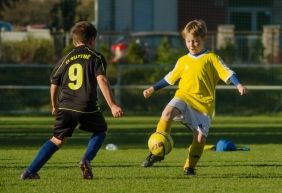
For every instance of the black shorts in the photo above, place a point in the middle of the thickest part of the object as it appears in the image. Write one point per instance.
(66, 122)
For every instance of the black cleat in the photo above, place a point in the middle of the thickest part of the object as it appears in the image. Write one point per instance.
(26, 175)
(86, 170)
(151, 159)
(189, 172)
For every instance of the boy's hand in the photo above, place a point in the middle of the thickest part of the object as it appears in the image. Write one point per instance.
(242, 89)
(148, 92)
(116, 111)
(54, 110)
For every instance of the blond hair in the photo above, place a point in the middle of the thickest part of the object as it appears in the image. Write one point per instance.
(197, 28)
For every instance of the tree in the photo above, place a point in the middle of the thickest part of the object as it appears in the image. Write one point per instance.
(4, 4)
(84, 10)
(28, 12)
(7, 4)
(68, 8)
(135, 54)
(166, 54)
(58, 15)
(64, 13)
(55, 22)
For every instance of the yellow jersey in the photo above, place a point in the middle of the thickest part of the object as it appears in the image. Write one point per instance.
(198, 76)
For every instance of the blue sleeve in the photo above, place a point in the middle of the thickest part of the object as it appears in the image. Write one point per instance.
(161, 84)
(234, 80)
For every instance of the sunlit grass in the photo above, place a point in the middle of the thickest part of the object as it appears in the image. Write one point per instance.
(257, 170)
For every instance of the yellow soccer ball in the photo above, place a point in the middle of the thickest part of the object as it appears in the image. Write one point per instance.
(160, 143)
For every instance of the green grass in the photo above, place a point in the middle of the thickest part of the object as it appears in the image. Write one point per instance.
(258, 170)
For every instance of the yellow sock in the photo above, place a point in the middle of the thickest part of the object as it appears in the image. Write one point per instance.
(195, 152)
(164, 126)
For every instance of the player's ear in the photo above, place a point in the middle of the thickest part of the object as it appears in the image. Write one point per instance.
(92, 42)
(75, 43)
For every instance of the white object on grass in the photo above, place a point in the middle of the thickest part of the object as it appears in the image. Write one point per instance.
(111, 147)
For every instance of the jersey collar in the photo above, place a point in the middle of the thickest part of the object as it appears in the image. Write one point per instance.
(199, 54)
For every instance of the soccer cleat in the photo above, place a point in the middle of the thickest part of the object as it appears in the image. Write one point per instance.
(26, 175)
(86, 170)
(189, 172)
(151, 159)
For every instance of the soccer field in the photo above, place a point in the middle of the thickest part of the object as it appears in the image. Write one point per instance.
(257, 170)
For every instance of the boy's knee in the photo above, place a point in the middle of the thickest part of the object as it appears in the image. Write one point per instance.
(169, 112)
(165, 115)
(58, 142)
(200, 138)
(101, 134)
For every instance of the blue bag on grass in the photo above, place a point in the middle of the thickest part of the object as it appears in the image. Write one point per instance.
(225, 145)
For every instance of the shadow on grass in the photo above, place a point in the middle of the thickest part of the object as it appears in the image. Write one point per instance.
(137, 138)
(243, 176)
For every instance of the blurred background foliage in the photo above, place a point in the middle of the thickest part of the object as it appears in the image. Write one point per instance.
(133, 77)
(60, 15)
(28, 51)
(57, 14)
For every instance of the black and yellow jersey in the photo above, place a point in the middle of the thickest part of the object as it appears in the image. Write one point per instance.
(76, 75)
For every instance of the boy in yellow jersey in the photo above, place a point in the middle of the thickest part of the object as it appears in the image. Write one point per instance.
(198, 73)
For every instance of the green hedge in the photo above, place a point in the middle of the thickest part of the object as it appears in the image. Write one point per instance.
(228, 101)
(28, 51)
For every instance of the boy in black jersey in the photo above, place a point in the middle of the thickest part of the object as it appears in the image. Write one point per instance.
(74, 80)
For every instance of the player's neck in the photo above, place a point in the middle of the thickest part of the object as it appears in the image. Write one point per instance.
(201, 52)
(83, 44)
(78, 44)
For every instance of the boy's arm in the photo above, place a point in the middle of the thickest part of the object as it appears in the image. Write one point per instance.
(108, 95)
(241, 88)
(159, 85)
(54, 93)
(169, 79)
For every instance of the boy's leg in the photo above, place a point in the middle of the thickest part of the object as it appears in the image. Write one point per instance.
(94, 145)
(164, 125)
(199, 123)
(195, 152)
(96, 124)
(63, 127)
(45, 153)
